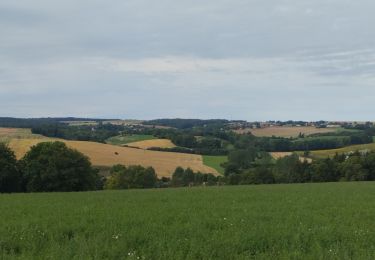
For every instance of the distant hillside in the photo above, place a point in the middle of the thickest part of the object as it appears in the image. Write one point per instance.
(185, 123)
(33, 122)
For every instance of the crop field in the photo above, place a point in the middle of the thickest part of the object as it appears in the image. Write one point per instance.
(282, 131)
(306, 221)
(348, 149)
(161, 143)
(7, 134)
(215, 162)
(126, 139)
(164, 163)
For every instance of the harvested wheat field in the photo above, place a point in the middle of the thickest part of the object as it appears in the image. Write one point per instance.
(7, 131)
(7, 134)
(161, 143)
(164, 163)
(286, 131)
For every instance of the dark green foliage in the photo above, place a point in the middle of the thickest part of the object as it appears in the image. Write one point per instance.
(99, 133)
(187, 177)
(290, 169)
(242, 158)
(10, 176)
(55, 167)
(39, 122)
(131, 177)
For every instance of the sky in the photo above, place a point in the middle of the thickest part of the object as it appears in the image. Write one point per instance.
(252, 60)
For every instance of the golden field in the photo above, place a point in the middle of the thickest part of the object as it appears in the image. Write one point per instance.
(286, 131)
(161, 143)
(107, 155)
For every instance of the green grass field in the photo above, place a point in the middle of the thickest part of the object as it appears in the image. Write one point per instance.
(121, 140)
(215, 162)
(306, 221)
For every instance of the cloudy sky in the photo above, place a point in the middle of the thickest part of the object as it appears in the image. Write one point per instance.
(234, 59)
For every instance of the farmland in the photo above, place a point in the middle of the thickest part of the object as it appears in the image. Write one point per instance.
(162, 143)
(284, 131)
(306, 221)
(348, 149)
(7, 134)
(126, 139)
(109, 155)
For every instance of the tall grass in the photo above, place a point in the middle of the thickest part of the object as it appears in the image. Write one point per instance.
(307, 221)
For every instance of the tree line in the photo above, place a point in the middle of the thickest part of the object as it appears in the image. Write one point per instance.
(52, 166)
(249, 167)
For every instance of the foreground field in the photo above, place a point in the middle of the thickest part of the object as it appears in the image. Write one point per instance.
(108, 155)
(310, 221)
(283, 131)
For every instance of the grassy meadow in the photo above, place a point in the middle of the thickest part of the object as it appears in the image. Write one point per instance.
(215, 162)
(126, 139)
(306, 221)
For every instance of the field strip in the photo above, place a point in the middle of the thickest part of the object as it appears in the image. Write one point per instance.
(161, 143)
(108, 155)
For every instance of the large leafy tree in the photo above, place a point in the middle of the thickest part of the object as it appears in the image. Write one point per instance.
(10, 177)
(52, 166)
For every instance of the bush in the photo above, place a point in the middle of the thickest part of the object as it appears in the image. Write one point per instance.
(55, 167)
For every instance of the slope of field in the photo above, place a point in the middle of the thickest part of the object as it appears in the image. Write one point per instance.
(161, 143)
(108, 155)
(215, 162)
(7, 134)
(348, 149)
(307, 221)
(283, 131)
(126, 139)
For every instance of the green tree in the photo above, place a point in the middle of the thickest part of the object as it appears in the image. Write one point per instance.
(131, 177)
(10, 177)
(52, 166)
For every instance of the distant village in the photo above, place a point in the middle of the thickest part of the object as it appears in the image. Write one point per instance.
(237, 125)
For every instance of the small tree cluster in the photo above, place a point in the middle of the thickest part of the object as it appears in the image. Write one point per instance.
(131, 177)
(187, 177)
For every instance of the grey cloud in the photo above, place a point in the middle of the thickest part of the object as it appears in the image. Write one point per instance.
(243, 59)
